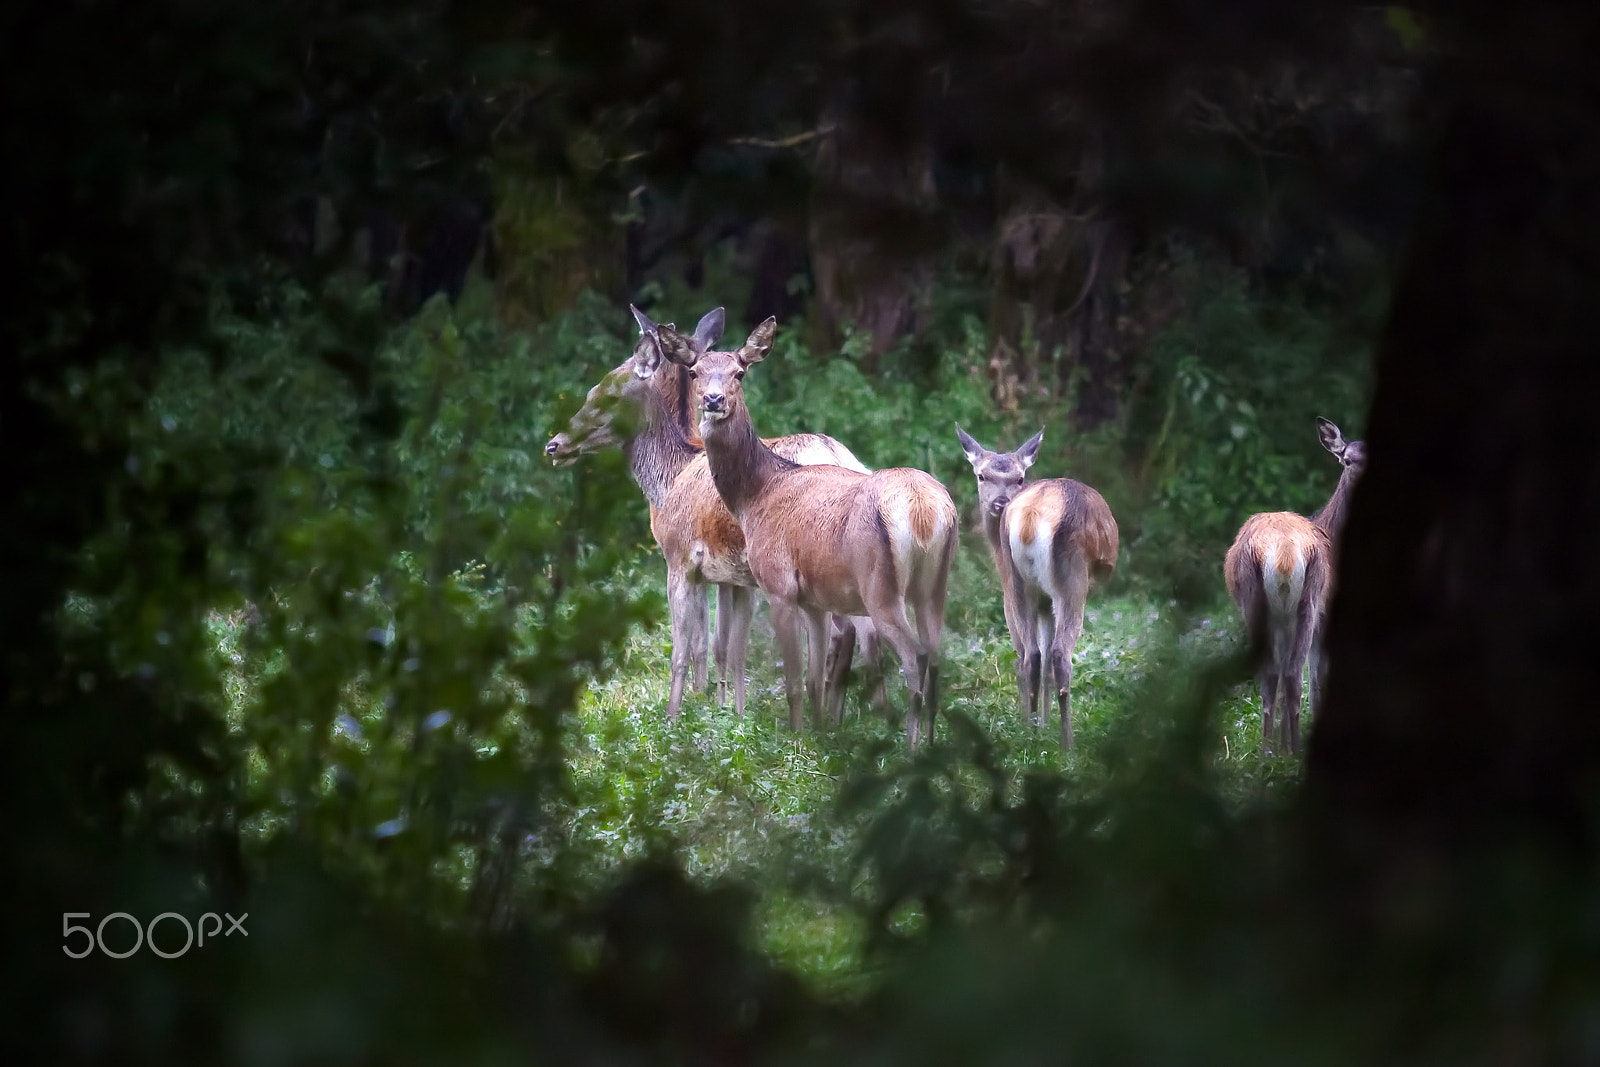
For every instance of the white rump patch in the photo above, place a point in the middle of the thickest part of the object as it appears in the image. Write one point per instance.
(819, 450)
(1033, 561)
(1282, 590)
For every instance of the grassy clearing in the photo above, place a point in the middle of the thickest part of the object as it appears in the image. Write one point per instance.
(748, 799)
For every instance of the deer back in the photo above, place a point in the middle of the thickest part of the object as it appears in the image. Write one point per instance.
(821, 534)
(695, 528)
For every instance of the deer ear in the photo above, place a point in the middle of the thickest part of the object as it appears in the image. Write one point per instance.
(646, 327)
(755, 349)
(1030, 450)
(972, 448)
(676, 347)
(1330, 436)
(708, 331)
(647, 355)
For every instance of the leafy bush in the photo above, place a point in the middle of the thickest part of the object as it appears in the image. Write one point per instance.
(411, 670)
(1223, 423)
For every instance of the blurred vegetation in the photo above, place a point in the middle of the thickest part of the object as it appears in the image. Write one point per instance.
(398, 608)
(301, 624)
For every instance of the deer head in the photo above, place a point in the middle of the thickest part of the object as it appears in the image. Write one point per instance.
(718, 374)
(618, 405)
(1001, 475)
(1352, 454)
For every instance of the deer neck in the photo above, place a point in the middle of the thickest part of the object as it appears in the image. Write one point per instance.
(741, 466)
(1330, 520)
(661, 449)
(991, 533)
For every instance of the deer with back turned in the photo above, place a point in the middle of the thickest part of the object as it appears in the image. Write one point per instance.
(1050, 541)
(1280, 573)
(644, 407)
(825, 539)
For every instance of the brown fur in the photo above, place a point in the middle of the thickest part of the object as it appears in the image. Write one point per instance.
(1286, 635)
(825, 539)
(1083, 547)
(1282, 620)
(642, 406)
(1083, 540)
(924, 518)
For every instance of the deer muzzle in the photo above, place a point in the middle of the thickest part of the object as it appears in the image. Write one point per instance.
(560, 450)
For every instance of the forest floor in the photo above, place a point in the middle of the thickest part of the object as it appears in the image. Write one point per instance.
(748, 800)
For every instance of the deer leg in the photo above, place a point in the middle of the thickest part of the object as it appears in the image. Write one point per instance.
(1027, 636)
(1290, 708)
(680, 591)
(1269, 702)
(1046, 684)
(1299, 652)
(700, 605)
(1315, 669)
(1066, 639)
(741, 610)
(1044, 639)
(841, 651)
(1068, 613)
(1024, 683)
(1030, 668)
(897, 632)
(719, 641)
(816, 676)
(786, 628)
(872, 663)
(930, 627)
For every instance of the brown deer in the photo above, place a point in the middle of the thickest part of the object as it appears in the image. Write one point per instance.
(1279, 572)
(643, 407)
(1352, 457)
(825, 539)
(1050, 540)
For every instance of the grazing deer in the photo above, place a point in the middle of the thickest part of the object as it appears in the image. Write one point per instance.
(825, 539)
(1050, 540)
(643, 407)
(1280, 572)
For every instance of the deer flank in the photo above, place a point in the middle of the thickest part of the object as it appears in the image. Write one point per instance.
(825, 539)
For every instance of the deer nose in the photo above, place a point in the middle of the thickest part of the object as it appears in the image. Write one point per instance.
(999, 505)
(713, 401)
(554, 447)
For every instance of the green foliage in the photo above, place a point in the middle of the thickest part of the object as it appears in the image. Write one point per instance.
(1223, 424)
(420, 678)
(410, 613)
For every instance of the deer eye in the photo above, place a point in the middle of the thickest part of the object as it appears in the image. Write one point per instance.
(738, 375)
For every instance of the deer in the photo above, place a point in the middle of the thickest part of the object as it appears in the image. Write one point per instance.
(827, 539)
(1279, 571)
(1051, 541)
(642, 407)
(1330, 519)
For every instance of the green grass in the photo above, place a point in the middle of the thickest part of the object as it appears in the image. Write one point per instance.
(747, 799)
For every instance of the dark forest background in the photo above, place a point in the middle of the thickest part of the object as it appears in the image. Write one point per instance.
(299, 289)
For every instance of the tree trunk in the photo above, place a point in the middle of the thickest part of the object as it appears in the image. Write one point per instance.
(1461, 690)
(1038, 266)
(1060, 275)
(873, 234)
(1102, 367)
